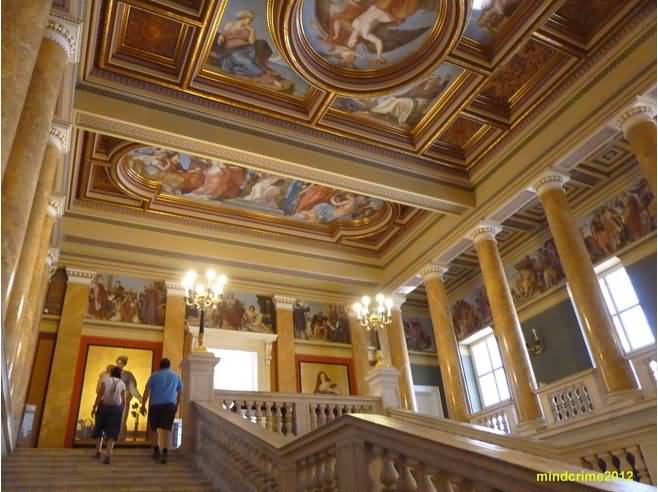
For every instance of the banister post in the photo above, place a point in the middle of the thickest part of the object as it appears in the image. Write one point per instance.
(198, 370)
(302, 418)
(352, 465)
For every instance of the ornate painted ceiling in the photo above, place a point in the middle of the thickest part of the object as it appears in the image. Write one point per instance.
(440, 82)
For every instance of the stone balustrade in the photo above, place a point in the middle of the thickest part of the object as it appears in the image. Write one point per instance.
(571, 398)
(501, 417)
(645, 363)
(371, 453)
(293, 414)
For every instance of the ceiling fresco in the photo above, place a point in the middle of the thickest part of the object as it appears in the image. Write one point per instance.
(135, 178)
(439, 84)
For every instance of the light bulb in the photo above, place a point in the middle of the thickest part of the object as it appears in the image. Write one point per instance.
(389, 303)
(223, 279)
(380, 298)
(365, 300)
(211, 274)
(217, 288)
(188, 279)
(356, 307)
(200, 288)
(381, 309)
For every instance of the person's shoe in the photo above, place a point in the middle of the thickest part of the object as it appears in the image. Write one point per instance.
(97, 455)
(107, 460)
(156, 453)
(163, 456)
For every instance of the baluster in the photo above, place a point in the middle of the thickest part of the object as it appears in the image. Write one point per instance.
(288, 418)
(425, 482)
(321, 467)
(331, 481)
(605, 462)
(389, 475)
(632, 460)
(322, 418)
(269, 425)
(407, 481)
(313, 410)
(303, 476)
(260, 419)
(278, 419)
(331, 412)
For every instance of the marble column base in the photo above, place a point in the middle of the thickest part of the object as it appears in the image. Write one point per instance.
(384, 383)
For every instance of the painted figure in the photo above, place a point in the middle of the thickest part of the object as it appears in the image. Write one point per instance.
(325, 386)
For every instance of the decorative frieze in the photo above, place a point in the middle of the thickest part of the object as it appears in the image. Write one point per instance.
(56, 205)
(434, 270)
(66, 34)
(51, 260)
(549, 179)
(641, 109)
(485, 230)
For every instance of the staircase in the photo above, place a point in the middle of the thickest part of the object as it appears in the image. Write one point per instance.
(77, 470)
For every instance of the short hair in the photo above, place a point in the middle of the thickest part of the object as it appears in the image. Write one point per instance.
(165, 363)
(123, 358)
(115, 372)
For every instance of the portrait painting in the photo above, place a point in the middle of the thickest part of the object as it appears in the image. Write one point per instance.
(406, 107)
(367, 34)
(243, 49)
(535, 273)
(488, 17)
(619, 222)
(98, 356)
(471, 313)
(245, 189)
(127, 300)
(419, 333)
(241, 311)
(321, 322)
(324, 376)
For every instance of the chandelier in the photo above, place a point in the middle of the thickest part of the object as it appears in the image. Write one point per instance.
(203, 295)
(371, 317)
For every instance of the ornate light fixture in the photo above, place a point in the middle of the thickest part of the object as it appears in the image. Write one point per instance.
(377, 319)
(203, 295)
(536, 347)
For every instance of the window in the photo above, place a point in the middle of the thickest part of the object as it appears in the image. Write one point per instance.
(489, 372)
(627, 314)
(237, 370)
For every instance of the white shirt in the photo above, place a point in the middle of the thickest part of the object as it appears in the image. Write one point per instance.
(113, 387)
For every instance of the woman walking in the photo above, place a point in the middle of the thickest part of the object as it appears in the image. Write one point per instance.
(108, 410)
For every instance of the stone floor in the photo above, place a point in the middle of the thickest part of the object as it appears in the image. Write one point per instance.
(78, 470)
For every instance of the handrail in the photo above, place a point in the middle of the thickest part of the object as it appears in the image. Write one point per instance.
(501, 417)
(358, 453)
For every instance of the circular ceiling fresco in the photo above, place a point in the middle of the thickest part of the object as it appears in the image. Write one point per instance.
(357, 47)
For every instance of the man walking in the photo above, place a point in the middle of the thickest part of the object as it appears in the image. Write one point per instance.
(163, 388)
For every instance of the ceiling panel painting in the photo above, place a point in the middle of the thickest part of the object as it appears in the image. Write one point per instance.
(243, 49)
(489, 17)
(128, 176)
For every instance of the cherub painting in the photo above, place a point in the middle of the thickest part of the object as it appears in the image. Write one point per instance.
(488, 17)
(366, 33)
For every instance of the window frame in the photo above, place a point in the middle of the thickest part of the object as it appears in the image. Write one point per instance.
(608, 269)
(483, 340)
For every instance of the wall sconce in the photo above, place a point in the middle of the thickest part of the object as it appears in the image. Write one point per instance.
(536, 346)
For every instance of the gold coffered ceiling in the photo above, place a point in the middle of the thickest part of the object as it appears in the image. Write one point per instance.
(220, 56)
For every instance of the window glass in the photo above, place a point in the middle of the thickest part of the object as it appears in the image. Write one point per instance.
(488, 389)
(621, 333)
(608, 300)
(502, 384)
(636, 323)
(481, 358)
(492, 383)
(621, 289)
(492, 345)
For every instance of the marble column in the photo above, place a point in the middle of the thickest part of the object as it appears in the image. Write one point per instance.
(360, 342)
(507, 327)
(19, 183)
(446, 342)
(637, 121)
(55, 419)
(23, 25)
(29, 330)
(583, 282)
(400, 355)
(173, 336)
(45, 209)
(285, 345)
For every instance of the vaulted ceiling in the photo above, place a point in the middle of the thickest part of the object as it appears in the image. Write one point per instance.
(347, 129)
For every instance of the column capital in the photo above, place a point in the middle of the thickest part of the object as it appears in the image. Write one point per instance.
(174, 288)
(640, 109)
(486, 229)
(398, 301)
(548, 179)
(59, 135)
(51, 260)
(434, 270)
(77, 276)
(56, 205)
(66, 34)
(284, 302)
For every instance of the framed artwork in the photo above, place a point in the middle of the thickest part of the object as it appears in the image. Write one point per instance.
(321, 322)
(325, 375)
(95, 357)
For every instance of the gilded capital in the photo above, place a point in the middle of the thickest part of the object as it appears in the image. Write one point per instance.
(434, 270)
(485, 230)
(56, 205)
(174, 288)
(51, 260)
(641, 109)
(66, 34)
(549, 179)
(77, 276)
(60, 136)
(284, 302)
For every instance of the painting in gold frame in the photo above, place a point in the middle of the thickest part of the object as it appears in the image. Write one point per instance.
(325, 375)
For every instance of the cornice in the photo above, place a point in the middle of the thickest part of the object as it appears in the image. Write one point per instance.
(640, 110)
(434, 270)
(66, 34)
(76, 276)
(486, 230)
(549, 179)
